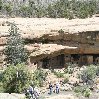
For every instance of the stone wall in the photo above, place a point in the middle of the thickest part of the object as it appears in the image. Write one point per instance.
(53, 62)
(62, 61)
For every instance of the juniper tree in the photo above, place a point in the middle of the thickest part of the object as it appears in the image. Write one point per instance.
(16, 79)
(14, 51)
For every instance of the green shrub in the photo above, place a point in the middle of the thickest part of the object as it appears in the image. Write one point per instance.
(1, 84)
(66, 79)
(1, 87)
(59, 74)
(88, 74)
(39, 77)
(78, 89)
(1, 75)
(24, 10)
(82, 90)
(87, 92)
(70, 68)
(16, 78)
(8, 8)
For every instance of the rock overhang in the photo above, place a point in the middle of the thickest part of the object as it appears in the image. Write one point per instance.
(40, 29)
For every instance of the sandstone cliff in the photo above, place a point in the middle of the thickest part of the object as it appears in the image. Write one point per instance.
(83, 34)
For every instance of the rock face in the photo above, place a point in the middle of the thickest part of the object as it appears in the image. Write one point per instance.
(77, 40)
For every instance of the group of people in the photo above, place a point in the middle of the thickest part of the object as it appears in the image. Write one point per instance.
(33, 92)
(54, 88)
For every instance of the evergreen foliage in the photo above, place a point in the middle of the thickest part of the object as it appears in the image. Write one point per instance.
(59, 9)
(58, 74)
(16, 78)
(8, 8)
(88, 75)
(82, 90)
(14, 51)
(39, 77)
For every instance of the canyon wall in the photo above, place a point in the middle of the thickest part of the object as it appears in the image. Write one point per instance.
(46, 37)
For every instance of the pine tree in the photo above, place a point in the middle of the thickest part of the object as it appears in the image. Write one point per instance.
(14, 51)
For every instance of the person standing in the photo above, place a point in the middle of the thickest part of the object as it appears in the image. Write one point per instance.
(36, 93)
(50, 88)
(57, 87)
(31, 91)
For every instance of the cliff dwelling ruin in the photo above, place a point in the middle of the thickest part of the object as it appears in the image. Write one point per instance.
(53, 43)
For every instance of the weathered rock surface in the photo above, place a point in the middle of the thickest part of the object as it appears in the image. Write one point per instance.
(48, 28)
(80, 35)
(77, 32)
